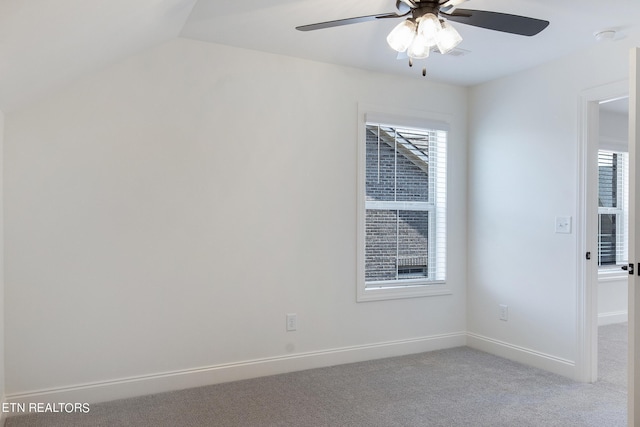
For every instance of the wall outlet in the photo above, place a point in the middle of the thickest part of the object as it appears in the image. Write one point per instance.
(504, 312)
(292, 322)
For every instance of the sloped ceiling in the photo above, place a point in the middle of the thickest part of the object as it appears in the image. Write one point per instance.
(45, 44)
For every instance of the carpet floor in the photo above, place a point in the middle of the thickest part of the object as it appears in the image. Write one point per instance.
(453, 387)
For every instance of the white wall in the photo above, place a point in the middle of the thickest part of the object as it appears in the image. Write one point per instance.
(522, 174)
(2, 309)
(614, 130)
(612, 299)
(164, 214)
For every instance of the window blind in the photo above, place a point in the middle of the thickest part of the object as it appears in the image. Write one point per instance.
(405, 205)
(613, 201)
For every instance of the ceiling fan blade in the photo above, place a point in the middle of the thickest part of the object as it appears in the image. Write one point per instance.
(452, 3)
(347, 21)
(514, 24)
(409, 3)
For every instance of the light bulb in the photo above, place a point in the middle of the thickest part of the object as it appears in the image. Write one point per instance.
(419, 48)
(430, 27)
(448, 38)
(402, 35)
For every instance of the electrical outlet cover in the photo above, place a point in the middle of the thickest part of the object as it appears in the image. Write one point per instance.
(292, 322)
(504, 312)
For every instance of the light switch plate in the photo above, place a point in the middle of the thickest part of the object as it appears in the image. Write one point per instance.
(563, 224)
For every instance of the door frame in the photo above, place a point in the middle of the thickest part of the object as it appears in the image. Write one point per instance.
(586, 364)
(633, 405)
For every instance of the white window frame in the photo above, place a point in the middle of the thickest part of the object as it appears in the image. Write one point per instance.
(621, 210)
(405, 288)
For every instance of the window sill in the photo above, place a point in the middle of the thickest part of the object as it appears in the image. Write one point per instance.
(401, 292)
(611, 274)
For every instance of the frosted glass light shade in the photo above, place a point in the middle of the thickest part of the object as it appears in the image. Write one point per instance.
(402, 35)
(448, 38)
(430, 28)
(419, 48)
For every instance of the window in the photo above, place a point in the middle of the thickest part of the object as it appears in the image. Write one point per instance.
(403, 219)
(613, 199)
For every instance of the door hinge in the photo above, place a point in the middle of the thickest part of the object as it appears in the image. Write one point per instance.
(588, 255)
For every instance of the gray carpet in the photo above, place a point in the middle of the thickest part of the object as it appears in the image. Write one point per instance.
(612, 356)
(454, 387)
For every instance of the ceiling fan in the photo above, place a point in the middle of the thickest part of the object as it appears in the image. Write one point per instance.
(427, 27)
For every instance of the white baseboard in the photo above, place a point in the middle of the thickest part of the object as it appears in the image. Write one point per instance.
(522, 355)
(178, 380)
(612, 317)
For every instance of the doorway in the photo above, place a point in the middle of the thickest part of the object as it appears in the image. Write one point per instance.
(586, 307)
(612, 241)
(592, 312)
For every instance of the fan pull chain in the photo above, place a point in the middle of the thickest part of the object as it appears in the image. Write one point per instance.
(424, 69)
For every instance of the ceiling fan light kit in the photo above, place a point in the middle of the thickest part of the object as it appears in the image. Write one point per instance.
(402, 35)
(419, 48)
(428, 26)
(449, 38)
(418, 40)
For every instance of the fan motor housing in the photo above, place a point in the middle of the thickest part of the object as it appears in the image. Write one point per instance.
(425, 7)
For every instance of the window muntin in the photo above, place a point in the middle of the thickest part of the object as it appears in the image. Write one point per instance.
(405, 207)
(613, 199)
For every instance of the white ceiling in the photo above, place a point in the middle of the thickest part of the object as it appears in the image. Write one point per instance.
(618, 106)
(47, 43)
(269, 25)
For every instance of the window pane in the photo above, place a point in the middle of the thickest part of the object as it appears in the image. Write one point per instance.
(397, 164)
(413, 244)
(412, 163)
(613, 199)
(380, 180)
(397, 244)
(607, 179)
(607, 239)
(404, 209)
(381, 245)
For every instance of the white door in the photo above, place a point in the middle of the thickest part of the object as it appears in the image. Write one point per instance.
(634, 239)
